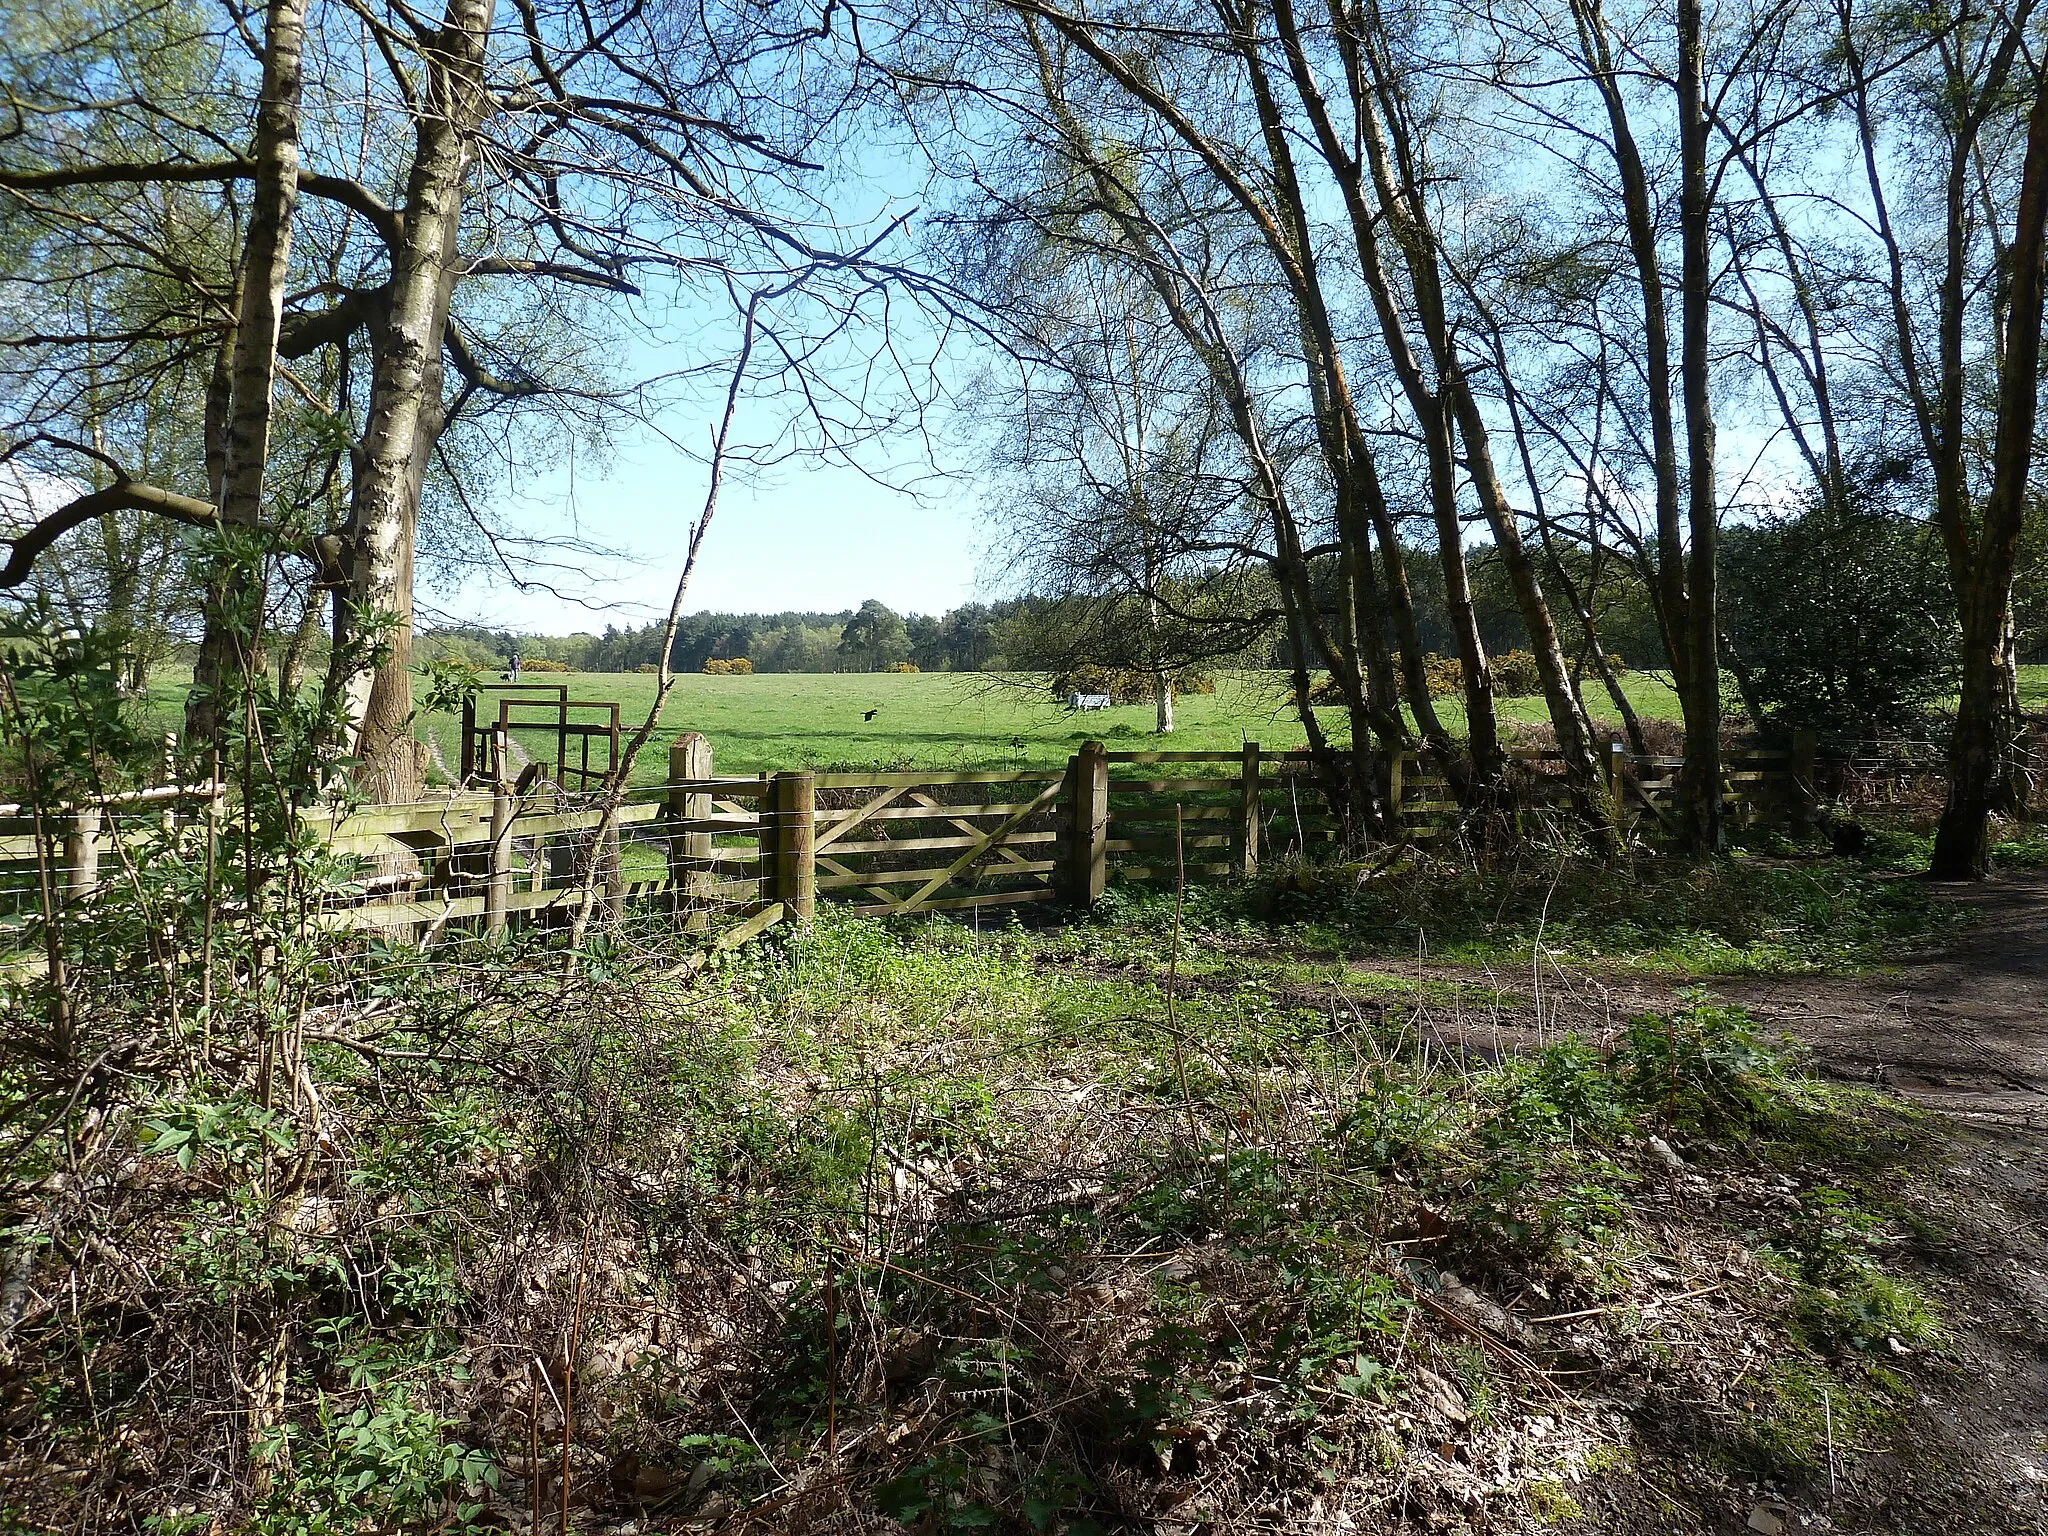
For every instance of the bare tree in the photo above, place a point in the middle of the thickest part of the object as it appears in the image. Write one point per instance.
(1980, 747)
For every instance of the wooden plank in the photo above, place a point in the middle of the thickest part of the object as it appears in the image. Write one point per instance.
(1168, 816)
(1145, 872)
(412, 816)
(582, 821)
(992, 839)
(369, 845)
(391, 914)
(837, 867)
(1171, 757)
(760, 922)
(1162, 845)
(846, 821)
(745, 821)
(958, 824)
(857, 880)
(928, 809)
(750, 787)
(914, 780)
(934, 844)
(723, 856)
(961, 903)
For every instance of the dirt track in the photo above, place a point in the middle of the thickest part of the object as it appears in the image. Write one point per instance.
(1963, 1029)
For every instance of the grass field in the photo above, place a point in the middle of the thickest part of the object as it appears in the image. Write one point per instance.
(949, 720)
(959, 720)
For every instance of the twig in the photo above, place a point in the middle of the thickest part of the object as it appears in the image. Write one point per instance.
(569, 1379)
(665, 679)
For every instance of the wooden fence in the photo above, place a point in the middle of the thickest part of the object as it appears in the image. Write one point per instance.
(727, 857)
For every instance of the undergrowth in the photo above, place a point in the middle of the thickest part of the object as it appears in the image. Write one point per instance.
(1744, 915)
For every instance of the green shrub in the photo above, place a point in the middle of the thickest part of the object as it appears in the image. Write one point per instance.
(1843, 619)
(1704, 1066)
(1515, 675)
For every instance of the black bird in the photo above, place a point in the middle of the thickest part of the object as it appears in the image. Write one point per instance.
(871, 714)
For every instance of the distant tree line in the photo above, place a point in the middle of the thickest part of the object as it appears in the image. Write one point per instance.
(975, 637)
(1798, 586)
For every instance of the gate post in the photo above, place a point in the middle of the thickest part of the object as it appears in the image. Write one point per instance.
(1088, 824)
(689, 853)
(1248, 813)
(498, 882)
(796, 830)
(1617, 783)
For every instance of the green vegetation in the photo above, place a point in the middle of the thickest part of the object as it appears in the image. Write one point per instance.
(962, 720)
(1089, 1217)
(1741, 916)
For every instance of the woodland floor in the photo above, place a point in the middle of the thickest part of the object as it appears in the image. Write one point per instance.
(1960, 1031)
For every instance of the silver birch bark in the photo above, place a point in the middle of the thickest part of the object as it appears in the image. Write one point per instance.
(228, 651)
(406, 410)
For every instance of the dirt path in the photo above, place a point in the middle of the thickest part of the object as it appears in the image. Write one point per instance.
(1963, 1029)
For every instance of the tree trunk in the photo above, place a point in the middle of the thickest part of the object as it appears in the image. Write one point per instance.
(1567, 715)
(1683, 584)
(1700, 790)
(1982, 741)
(406, 414)
(230, 649)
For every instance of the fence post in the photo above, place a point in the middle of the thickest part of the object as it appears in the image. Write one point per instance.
(1248, 813)
(1397, 761)
(498, 880)
(1088, 824)
(796, 830)
(689, 853)
(1616, 781)
(1805, 780)
(82, 856)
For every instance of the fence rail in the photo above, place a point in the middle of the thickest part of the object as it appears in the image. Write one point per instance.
(726, 857)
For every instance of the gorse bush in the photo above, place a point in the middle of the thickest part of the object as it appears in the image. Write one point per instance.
(737, 666)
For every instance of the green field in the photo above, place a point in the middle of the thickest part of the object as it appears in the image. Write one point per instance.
(949, 719)
(946, 720)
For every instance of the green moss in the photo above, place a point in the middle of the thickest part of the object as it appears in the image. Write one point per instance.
(1799, 1410)
(1551, 1503)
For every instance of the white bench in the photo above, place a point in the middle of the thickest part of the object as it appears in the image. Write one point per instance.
(1087, 701)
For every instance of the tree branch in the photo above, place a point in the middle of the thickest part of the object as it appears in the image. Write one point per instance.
(124, 495)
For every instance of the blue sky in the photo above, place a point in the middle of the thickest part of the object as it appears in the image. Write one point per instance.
(800, 536)
(804, 534)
